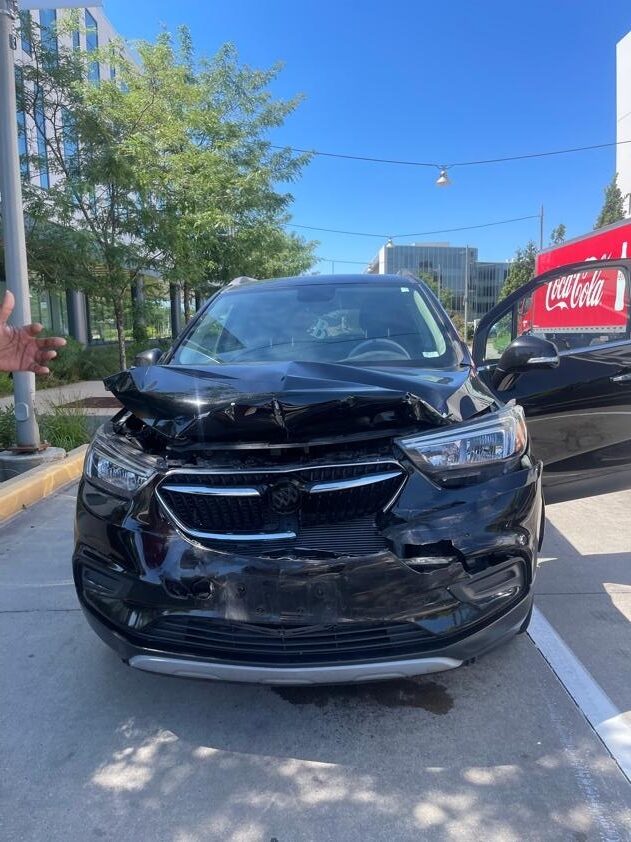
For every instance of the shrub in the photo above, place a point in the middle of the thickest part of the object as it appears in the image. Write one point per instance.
(60, 426)
(7, 427)
(63, 426)
(6, 384)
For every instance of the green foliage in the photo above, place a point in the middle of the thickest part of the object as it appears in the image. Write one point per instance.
(522, 266)
(444, 296)
(6, 384)
(522, 269)
(60, 426)
(446, 299)
(175, 172)
(613, 206)
(7, 427)
(63, 426)
(558, 235)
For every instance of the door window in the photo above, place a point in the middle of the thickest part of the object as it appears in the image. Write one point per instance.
(500, 336)
(580, 310)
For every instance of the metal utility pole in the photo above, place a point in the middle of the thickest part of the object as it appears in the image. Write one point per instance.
(27, 431)
(13, 222)
(541, 229)
(465, 300)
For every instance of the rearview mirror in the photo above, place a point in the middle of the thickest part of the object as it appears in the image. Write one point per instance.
(146, 358)
(525, 353)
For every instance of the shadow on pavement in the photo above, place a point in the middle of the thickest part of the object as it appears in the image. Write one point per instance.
(495, 749)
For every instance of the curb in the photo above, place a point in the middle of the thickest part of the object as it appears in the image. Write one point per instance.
(22, 491)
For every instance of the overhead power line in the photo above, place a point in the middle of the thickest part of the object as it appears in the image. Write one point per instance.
(455, 163)
(418, 233)
(340, 260)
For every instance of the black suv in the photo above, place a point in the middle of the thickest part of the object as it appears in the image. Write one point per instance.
(319, 483)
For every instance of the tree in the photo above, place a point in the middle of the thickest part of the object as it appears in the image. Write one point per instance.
(224, 213)
(443, 294)
(445, 297)
(151, 170)
(522, 269)
(613, 206)
(88, 227)
(522, 266)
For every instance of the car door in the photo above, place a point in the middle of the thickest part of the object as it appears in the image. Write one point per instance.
(579, 413)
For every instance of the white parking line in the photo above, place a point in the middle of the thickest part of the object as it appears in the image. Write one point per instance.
(592, 701)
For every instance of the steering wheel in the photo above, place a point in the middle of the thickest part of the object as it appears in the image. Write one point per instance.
(379, 346)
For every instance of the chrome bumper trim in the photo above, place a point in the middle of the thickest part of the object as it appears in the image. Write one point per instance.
(334, 674)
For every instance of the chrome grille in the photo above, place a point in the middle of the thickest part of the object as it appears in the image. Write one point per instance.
(293, 506)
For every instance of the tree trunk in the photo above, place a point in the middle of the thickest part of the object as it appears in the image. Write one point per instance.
(119, 315)
(186, 294)
(138, 310)
(174, 294)
(198, 300)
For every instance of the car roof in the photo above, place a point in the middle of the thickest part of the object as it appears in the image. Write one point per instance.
(321, 280)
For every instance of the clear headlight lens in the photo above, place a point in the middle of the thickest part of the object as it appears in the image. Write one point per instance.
(489, 441)
(116, 468)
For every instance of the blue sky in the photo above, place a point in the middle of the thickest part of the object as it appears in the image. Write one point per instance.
(429, 81)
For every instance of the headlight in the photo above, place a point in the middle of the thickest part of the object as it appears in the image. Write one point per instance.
(115, 467)
(490, 441)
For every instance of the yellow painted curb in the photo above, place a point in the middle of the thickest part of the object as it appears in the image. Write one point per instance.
(27, 488)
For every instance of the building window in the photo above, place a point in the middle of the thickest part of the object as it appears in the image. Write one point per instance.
(76, 39)
(42, 152)
(23, 145)
(21, 118)
(91, 45)
(26, 32)
(71, 147)
(112, 72)
(47, 25)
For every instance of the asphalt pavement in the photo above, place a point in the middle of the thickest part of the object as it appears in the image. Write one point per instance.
(91, 749)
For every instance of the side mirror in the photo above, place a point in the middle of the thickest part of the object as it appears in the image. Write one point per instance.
(524, 354)
(146, 358)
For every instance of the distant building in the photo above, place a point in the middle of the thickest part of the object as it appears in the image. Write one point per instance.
(447, 266)
(486, 286)
(69, 313)
(59, 313)
(623, 113)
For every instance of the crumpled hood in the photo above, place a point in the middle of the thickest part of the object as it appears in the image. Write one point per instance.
(291, 401)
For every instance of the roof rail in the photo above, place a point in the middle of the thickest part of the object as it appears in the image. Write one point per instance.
(242, 279)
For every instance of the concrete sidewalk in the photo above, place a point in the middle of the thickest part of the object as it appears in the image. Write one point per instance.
(59, 395)
(584, 587)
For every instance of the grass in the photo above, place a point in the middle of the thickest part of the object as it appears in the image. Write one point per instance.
(60, 426)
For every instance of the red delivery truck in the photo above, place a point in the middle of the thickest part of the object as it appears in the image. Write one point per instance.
(581, 307)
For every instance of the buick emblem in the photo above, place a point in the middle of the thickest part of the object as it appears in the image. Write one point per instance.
(284, 498)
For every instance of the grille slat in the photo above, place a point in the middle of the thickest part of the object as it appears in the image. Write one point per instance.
(284, 644)
(340, 521)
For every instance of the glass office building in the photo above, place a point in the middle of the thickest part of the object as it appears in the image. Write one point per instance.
(447, 266)
(486, 285)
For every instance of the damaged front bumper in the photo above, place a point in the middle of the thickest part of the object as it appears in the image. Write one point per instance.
(454, 581)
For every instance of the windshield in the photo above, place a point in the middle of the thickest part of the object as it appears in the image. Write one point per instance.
(346, 323)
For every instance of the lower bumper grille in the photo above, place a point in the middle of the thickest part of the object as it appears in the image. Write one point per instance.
(244, 643)
(357, 537)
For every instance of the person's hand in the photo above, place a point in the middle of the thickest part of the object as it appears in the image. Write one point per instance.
(20, 349)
